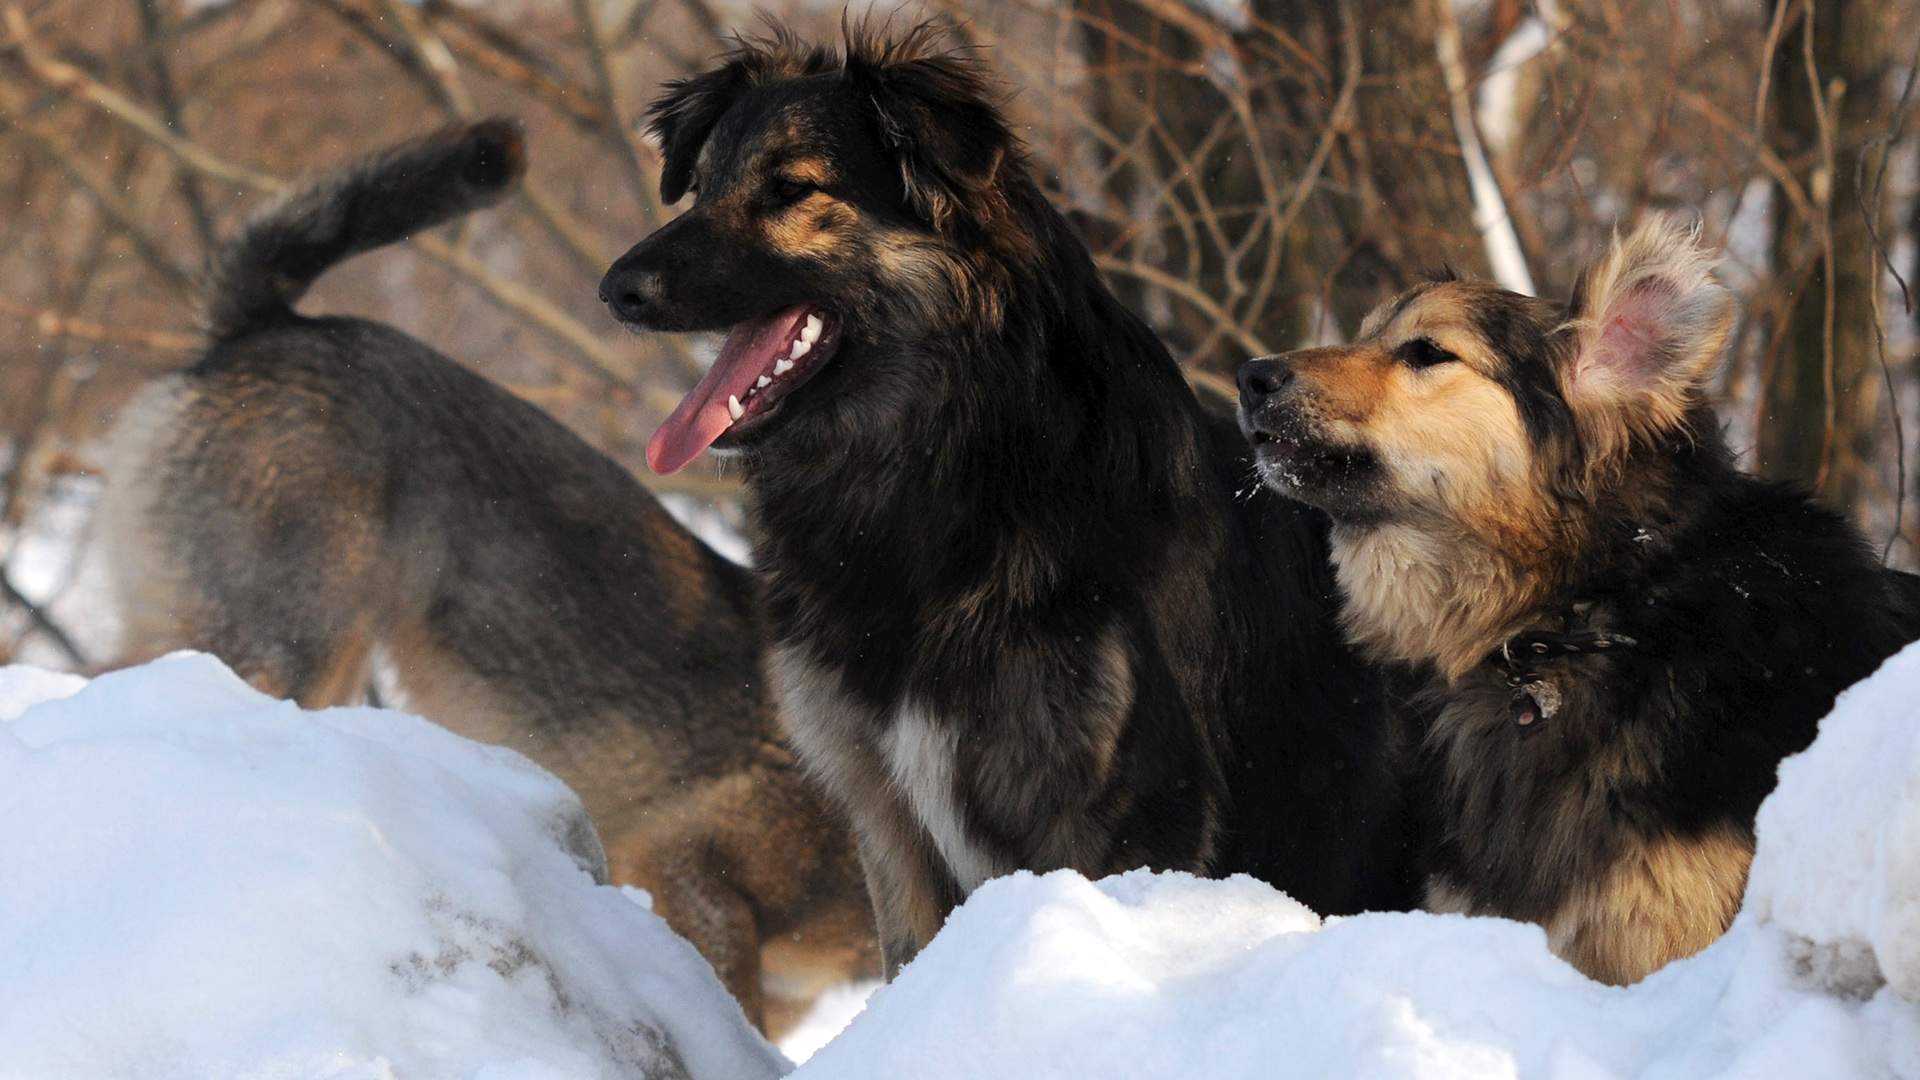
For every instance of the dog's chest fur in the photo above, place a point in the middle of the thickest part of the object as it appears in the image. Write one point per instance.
(1526, 810)
(1017, 777)
(920, 754)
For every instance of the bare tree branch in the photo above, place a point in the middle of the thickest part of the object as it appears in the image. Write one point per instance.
(160, 74)
(633, 161)
(124, 217)
(42, 621)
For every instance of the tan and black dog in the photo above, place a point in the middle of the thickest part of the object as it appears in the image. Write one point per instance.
(313, 489)
(1017, 617)
(1619, 633)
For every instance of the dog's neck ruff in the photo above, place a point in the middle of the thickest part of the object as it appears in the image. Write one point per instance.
(1415, 598)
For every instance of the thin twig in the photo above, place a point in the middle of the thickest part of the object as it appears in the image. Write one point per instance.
(493, 50)
(1824, 128)
(1869, 213)
(403, 53)
(1338, 123)
(1772, 46)
(66, 78)
(124, 217)
(432, 54)
(1191, 293)
(160, 73)
(1778, 170)
(54, 323)
(42, 621)
(633, 161)
(600, 361)
(1887, 142)
(603, 362)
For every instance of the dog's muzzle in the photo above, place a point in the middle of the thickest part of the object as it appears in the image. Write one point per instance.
(1262, 380)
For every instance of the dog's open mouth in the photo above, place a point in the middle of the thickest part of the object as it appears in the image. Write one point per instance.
(1297, 463)
(761, 362)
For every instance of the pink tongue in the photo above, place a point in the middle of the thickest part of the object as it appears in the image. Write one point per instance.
(701, 417)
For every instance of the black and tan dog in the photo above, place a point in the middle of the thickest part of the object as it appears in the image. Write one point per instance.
(313, 488)
(1621, 633)
(1013, 604)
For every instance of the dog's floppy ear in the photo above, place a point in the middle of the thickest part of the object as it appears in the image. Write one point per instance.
(937, 119)
(682, 117)
(1648, 323)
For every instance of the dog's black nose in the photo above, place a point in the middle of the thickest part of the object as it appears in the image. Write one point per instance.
(1261, 379)
(626, 293)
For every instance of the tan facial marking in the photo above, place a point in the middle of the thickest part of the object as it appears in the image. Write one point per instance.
(1449, 436)
(1467, 510)
(816, 227)
(809, 170)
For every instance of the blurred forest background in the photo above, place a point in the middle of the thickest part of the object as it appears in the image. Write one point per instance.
(1252, 175)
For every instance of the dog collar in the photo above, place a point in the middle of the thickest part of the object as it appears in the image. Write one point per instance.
(1536, 697)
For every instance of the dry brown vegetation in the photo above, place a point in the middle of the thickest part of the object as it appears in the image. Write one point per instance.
(1251, 176)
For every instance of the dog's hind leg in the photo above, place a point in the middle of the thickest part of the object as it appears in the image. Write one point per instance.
(687, 873)
(342, 677)
(318, 656)
(246, 529)
(748, 867)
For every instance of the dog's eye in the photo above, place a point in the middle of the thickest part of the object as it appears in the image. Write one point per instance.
(1423, 353)
(787, 190)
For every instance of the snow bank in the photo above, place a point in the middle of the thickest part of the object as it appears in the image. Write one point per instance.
(200, 882)
(1839, 869)
(1168, 976)
(203, 882)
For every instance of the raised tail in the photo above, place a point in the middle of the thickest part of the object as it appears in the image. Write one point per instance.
(259, 274)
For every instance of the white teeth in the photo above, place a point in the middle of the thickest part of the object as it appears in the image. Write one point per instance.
(782, 366)
(762, 383)
(734, 408)
(812, 332)
(800, 348)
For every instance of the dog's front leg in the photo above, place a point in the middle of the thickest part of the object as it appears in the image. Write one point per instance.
(911, 888)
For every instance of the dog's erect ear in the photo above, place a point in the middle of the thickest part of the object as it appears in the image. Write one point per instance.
(1649, 321)
(682, 117)
(684, 114)
(937, 118)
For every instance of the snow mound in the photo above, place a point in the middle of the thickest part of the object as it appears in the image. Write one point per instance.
(203, 882)
(1169, 976)
(1838, 868)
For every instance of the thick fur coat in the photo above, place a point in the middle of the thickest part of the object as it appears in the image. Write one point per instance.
(1613, 633)
(1018, 618)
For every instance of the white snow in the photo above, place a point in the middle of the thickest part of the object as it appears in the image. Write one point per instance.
(717, 523)
(1840, 879)
(830, 1015)
(202, 882)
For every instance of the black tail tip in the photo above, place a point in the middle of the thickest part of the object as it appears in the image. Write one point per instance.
(496, 154)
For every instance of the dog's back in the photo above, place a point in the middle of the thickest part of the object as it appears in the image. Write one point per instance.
(253, 281)
(312, 491)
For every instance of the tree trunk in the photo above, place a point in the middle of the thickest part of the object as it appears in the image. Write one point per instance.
(1823, 397)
